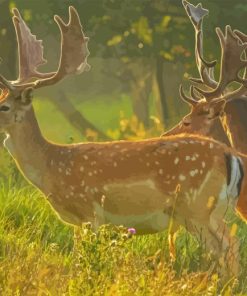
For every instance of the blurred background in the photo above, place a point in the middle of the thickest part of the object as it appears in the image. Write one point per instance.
(141, 50)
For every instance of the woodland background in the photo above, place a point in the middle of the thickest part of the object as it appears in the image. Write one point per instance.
(141, 50)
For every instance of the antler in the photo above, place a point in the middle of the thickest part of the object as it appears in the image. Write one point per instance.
(232, 49)
(233, 45)
(205, 68)
(73, 57)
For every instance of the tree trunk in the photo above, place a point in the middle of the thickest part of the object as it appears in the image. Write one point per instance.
(161, 87)
(140, 77)
(76, 119)
(140, 99)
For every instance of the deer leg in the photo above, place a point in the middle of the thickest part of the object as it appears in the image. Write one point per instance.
(77, 235)
(219, 241)
(172, 235)
(229, 246)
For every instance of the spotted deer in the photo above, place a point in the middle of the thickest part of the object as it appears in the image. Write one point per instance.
(138, 184)
(215, 110)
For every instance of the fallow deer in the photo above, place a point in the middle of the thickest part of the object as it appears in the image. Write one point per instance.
(231, 127)
(210, 115)
(138, 184)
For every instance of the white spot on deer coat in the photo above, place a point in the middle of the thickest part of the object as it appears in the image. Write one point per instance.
(68, 172)
(181, 177)
(192, 173)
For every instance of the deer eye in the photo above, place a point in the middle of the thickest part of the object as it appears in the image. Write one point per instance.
(4, 108)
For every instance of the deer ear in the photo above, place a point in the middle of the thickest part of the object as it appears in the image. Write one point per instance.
(27, 96)
(216, 108)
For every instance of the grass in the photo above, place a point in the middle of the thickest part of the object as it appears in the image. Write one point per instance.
(38, 256)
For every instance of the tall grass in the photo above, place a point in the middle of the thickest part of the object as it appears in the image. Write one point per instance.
(38, 256)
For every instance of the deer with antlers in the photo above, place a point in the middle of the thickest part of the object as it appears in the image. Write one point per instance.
(215, 110)
(138, 184)
(210, 99)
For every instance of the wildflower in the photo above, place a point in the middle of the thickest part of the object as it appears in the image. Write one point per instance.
(131, 231)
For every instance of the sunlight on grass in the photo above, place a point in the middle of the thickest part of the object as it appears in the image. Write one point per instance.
(36, 246)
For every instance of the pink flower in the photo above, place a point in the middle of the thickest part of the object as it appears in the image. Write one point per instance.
(131, 231)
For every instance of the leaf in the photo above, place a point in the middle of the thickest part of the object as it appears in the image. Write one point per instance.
(234, 229)
(115, 40)
(166, 55)
(143, 31)
(163, 25)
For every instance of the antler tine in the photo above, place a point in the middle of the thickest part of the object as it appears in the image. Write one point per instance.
(196, 15)
(74, 19)
(185, 98)
(193, 93)
(231, 63)
(240, 35)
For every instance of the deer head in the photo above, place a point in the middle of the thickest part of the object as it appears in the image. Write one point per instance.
(202, 118)
(16, 96)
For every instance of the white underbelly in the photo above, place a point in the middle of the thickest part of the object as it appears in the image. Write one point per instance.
(145, 223)
(136, 203)
(135, 198)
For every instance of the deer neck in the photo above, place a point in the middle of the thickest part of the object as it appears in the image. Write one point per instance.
(218, 133)
(236, 123)
(28, 148)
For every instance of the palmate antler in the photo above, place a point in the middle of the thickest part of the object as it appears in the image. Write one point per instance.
(233, 46)
(232, 63)
(73, 56)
